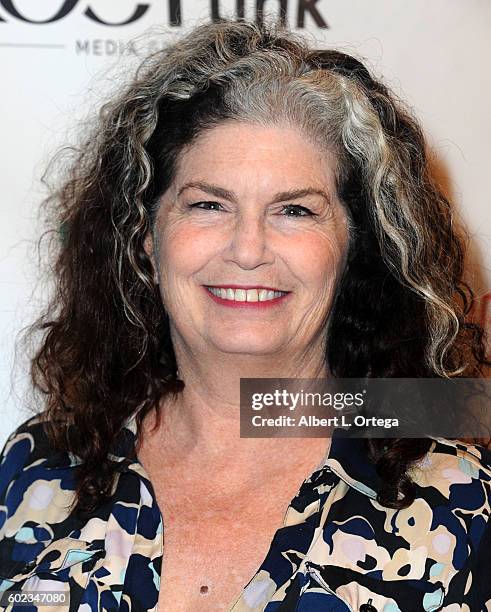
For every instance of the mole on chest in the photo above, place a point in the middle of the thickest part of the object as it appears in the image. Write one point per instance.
(185, 593)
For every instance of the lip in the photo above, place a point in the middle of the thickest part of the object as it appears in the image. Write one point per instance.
(243, 287)
(257, 305)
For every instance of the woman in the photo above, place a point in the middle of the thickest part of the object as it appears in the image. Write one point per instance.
(247, 207)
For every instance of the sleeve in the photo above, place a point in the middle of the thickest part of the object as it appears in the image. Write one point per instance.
(470, 587)
(478, 598)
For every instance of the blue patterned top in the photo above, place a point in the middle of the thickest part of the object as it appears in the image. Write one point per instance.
(338, 549)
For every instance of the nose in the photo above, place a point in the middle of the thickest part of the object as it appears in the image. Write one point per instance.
(250, 243)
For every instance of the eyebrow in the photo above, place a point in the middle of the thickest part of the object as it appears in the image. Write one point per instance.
(220, 192)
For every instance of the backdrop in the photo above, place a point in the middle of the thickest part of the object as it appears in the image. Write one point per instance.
(60, 57)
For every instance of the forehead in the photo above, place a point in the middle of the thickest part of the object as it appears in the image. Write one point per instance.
(266, 154)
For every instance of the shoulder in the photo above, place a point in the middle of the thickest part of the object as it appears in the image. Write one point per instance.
(32, 473)
(29, 445)
(454, 480)
(453, 490)
(471, 453)
(39, 534)
(24, 445)
(454, 498)
(455, 470)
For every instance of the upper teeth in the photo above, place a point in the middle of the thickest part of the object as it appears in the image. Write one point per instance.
(245, 295)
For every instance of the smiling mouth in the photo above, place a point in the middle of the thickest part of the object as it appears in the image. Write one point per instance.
(257, 294)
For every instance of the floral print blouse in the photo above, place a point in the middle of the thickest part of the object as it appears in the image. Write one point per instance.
(338, 549)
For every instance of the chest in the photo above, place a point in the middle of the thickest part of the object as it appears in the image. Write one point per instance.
(210, 555)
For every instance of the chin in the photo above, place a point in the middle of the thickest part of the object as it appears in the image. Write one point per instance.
(238, 346)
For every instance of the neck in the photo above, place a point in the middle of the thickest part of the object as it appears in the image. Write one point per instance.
(202, 425)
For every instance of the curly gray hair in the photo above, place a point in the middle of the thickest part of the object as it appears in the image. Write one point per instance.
(401, 306)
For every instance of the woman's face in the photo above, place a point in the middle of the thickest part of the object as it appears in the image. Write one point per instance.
(251, 210)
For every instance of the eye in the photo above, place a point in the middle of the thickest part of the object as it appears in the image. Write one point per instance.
(206, 205)
(295, 210)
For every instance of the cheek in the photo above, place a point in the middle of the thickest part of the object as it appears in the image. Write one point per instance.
(185, 249)
(318, 260)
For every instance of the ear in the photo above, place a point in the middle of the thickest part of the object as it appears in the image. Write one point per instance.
(148, 247)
